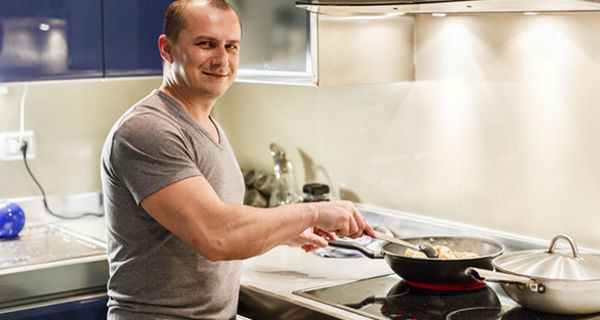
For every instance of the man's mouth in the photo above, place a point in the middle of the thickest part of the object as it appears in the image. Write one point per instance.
(216, 75)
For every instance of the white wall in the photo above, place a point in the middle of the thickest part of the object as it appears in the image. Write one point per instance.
(70, 120)
(499, 130)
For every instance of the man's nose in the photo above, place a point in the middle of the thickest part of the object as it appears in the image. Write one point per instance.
(219, 56)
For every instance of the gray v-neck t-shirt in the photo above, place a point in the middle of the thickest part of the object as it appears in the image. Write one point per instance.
(153, 273)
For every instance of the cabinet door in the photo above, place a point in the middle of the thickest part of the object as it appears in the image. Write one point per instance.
(92, 307)
(275, 42)
(50, 39)
(131, 30)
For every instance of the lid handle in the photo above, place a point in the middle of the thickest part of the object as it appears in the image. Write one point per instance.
(554, 243)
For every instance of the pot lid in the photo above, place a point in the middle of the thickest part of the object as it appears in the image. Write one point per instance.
(551, 264)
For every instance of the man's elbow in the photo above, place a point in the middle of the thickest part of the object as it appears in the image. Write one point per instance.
(216, 250)
(213, 256)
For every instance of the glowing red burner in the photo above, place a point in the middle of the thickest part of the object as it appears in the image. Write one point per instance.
(449, 287)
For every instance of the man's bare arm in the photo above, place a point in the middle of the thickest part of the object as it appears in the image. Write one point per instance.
(222, 231)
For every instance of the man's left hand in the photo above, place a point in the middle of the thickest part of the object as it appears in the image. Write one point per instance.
(311, 239)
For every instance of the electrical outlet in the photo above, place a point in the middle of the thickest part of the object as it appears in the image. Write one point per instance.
(10, 145)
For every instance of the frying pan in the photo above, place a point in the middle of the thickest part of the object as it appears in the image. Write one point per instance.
(436, 272)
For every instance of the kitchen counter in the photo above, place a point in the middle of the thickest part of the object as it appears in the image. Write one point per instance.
(93, 227)
(283, 270)
(273, 277)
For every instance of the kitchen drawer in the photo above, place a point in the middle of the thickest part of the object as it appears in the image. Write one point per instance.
(88, 307)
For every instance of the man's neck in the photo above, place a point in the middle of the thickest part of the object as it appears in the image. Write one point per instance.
(198, 108)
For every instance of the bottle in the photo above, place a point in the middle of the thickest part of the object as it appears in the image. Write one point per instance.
(285, 188)
(315, 192)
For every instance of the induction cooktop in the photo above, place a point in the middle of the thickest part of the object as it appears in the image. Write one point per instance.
(390, 297)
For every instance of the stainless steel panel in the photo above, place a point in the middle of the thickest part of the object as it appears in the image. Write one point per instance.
(371, 7)
(350, 50)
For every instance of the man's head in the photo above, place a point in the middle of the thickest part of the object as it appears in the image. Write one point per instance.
(174, 22)
(200, 47)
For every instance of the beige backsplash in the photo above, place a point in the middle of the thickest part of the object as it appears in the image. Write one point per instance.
(499, 130)
(492, 162)
(70, 120)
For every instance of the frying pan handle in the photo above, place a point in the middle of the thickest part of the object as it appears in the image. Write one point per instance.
(505, 278)
(373, 254)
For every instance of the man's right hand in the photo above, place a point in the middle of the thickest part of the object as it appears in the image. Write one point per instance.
(343, 218)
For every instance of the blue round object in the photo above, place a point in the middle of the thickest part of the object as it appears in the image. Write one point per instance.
(12, 220)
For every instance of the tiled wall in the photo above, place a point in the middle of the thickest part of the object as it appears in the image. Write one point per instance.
(500, 129)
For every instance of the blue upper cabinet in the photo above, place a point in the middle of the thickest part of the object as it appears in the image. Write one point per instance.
(50, 39)
(131, 30)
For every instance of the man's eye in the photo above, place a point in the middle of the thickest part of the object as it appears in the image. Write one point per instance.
(231, 47)
(205, 44)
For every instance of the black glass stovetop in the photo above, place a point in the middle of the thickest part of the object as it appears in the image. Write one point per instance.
(389, 297)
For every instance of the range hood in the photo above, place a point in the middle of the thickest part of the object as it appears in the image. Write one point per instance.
(379, 7)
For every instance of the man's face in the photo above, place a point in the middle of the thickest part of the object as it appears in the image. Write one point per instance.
(205, 56)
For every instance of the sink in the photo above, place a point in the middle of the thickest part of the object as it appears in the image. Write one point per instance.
(255, 304)
(48, 262)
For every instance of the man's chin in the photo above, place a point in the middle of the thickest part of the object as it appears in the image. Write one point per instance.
(214, 92)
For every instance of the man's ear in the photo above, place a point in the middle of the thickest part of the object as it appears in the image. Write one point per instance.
(164, 46)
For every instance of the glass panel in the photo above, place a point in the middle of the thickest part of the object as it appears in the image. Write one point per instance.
(50, 39)
(274, 35)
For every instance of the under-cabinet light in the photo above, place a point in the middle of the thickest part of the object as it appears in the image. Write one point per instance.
(395, 14)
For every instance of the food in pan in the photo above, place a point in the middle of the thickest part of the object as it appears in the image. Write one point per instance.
(443, 252)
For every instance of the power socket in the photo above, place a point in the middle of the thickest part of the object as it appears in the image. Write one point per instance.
(10, 145)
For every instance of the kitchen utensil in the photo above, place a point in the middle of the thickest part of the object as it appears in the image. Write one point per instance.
(12, 220)
(548, 281)
(434, 273)
(424, 247)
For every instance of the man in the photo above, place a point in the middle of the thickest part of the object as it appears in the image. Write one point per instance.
(173, 189)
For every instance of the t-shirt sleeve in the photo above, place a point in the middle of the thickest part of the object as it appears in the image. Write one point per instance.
(148, 156)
